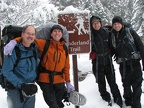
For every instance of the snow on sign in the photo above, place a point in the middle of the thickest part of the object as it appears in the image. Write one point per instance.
(78, 29)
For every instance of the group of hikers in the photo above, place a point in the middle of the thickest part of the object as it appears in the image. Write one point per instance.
(42, 57)
(123, 44)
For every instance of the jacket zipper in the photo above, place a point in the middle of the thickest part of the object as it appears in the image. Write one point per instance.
(59, 58)
(56, 56)
(102, 47)
(46, 60)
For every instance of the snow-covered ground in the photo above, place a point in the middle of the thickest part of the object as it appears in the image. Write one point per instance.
(88, 87)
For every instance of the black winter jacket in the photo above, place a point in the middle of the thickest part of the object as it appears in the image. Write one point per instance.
(122, 48)
(100, 44)
(100, 40)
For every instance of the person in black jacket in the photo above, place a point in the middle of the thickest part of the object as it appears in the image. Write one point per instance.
(128, 47)
(102, 65)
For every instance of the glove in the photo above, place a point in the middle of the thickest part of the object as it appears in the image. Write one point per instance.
(93, 55)
(29, 89)
(69, 87)
(9, 47)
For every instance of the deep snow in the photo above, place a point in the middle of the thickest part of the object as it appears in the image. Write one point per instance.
(88, 87)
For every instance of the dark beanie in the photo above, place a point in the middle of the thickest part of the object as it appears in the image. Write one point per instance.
(117, 19)
(95, 18)
(56, 27)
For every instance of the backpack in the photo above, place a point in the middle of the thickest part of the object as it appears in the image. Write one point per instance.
(8, 33)
(108, 27)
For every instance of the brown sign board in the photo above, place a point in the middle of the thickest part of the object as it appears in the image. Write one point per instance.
(78, 29)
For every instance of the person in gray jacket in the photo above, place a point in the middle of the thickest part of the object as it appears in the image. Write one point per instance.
(19, 70)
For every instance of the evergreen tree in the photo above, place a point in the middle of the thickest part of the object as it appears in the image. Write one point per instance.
(43, 14)
(21, 12)
(137, 13)
(16, 12)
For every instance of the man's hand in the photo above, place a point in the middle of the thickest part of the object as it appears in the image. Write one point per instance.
(29, 89)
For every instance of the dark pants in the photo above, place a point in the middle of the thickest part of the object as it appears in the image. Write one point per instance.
(53, 96)
(132, 79)
(107, 72)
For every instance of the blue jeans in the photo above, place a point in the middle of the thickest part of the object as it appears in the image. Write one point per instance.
(13, 100)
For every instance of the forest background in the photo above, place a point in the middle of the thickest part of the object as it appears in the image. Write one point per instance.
(39, 12)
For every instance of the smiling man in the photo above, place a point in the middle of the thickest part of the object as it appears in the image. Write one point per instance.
(19, 70)
(128, 49)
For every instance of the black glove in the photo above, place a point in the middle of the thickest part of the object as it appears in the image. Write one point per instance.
(29, 89)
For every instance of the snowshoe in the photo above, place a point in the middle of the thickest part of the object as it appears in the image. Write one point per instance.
(77, 98)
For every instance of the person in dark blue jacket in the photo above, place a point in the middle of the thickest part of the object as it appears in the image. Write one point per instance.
(20, 72)
(102, 65)
(128, 49)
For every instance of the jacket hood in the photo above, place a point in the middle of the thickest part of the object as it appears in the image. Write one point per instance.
(95, 18)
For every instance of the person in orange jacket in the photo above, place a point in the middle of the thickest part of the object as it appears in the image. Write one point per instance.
(56, 67)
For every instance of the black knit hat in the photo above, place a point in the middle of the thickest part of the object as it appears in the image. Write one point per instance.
(95, 18)
(117, 19)
(56, 27)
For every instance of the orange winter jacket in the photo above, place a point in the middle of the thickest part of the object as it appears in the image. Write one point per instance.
(54, 60)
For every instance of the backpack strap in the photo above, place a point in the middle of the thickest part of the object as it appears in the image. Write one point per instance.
(66, 50)
(130, 35)
(45, 49)
(18, 55)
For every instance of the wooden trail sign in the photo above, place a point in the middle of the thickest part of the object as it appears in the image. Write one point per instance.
(78, 29)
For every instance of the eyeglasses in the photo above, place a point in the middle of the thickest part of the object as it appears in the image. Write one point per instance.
(30, 34)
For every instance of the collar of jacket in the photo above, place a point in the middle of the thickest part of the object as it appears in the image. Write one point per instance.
(21, 47)
(97, 31)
